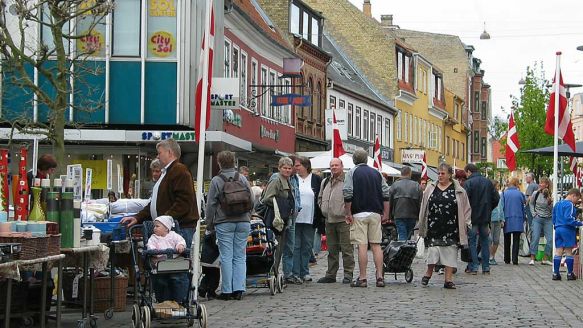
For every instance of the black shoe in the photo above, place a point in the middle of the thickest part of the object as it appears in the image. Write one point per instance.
(225, 296)
(571, 276)
(449, 285)
(556, 276)
(238, 295)
(346, 280)
(425, 280)
(211, 295)
(326, 280)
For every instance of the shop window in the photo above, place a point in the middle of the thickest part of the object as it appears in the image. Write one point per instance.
(350, 118)
(365, 125)
(161, 30)
(126, 28)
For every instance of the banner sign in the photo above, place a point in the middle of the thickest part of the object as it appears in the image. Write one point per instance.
(225, 93)
(291, 99)
(341, 122)
(412, 156)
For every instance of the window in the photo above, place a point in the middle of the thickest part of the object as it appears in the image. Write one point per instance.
(373, 119)
(403, 66)
(305, 26)
(387, 139)
(447, 141)
(365, 125)
(405, 127)
(287, 109)
(308, 92)
(476, 101)
(398, 125)
(235, 62)
(484, 111)
(253, 103)
(294, 19)
(350, 118)
(161, 29)
(437, 86)
(380, 128)
(91, 29)
(271, 93)
(341, 104)
(264, 100)
(47, 35)
(410, 128)
(358, 122)
(476, 148)
(318, 111)
(227, 72)
(314, 33)
(483, 150)
(126, 28)
(243, 79)
(332, 102)
(463, 151)
(455, 149)
(456, 111)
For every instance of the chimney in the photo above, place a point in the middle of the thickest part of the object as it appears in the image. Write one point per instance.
(366, 8)
(387, 20)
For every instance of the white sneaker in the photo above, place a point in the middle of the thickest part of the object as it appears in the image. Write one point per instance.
(531, 262)
(546, 262)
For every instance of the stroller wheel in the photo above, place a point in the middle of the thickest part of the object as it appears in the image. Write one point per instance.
(146, 319)
(202, 315)
(279, 284)
(136, 317)
(272, 287)
(409, 275)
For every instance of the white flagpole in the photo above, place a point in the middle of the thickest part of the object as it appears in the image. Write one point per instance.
(556, 136)
(201, 145)
(333, 127)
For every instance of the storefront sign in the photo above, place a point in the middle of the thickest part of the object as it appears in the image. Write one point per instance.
(232, 117)
(162, 8)
(291, 99)
(161, 44)
(412, 156)
(225, 93)
(268, 133)
(176, 135)
(341, 122)
(91, 43)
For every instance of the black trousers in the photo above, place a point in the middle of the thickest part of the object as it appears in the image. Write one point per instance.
(511, 238)
(210, 281)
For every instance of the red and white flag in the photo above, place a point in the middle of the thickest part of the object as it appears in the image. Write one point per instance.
(338, 147)
(512, 144)
(378, 164)
(565, 127)
(205, 73)
(424, 169)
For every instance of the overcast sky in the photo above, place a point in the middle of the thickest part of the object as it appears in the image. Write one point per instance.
(523, 32)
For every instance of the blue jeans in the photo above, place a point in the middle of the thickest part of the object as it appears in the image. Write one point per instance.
(529, 220)
(405, 228)
(188, 234)
(232, 240)
(481, 231)
(288, 249)
(540, 226)
(170, 287)
(303, 249)
(317, 242)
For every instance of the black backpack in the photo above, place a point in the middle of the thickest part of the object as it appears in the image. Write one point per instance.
(235, 198)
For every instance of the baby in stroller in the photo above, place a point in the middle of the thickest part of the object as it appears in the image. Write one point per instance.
(174, 286)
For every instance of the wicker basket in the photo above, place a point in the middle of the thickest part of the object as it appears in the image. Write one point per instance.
(103, 296)
(31, 247)
(54, 245)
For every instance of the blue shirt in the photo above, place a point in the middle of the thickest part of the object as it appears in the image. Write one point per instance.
(564, 214)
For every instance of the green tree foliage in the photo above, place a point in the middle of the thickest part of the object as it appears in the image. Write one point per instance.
(530, 115)
(499, 127)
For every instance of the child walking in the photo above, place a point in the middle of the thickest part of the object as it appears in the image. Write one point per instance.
(170, 287)
(565, 223)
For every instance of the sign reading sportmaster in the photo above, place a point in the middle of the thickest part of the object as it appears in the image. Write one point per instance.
(225, 93)
(412, 156)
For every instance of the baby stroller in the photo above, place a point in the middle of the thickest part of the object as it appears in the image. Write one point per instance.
(261, 249)
(146, 309)
(398, 257)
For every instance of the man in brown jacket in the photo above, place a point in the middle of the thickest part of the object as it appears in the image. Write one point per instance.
(173, 193)
(331, 202)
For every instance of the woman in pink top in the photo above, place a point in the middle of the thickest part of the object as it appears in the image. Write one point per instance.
(174, 286)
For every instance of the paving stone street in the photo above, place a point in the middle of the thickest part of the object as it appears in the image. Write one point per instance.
(512, 296)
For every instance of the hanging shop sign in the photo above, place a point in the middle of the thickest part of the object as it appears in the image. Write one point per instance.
(265, 132)
(161, 44)
(225, 93)
(291, 99)
(231, 117)
(341, 122)
(162, 8)
(412, 156)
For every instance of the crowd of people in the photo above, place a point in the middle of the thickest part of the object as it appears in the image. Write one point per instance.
(461, 210)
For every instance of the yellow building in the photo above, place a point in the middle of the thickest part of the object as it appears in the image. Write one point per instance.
(421, 105)
(455, 132)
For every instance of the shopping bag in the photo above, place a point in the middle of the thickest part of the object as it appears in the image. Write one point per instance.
(420, 248)
(524, 249)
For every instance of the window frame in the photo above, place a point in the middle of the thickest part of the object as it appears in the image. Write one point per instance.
(358, 126)
(227, 67)
(365, 126)
(350, 115)
(244, 78)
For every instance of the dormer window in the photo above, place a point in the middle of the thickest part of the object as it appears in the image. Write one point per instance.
(437, 85)
(305, 23)
(404, 66)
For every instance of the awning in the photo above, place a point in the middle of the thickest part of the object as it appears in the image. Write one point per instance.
(323, 162)
(431, 171)
(564, 150)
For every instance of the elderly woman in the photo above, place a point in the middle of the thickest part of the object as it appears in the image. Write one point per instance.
(307, 219)
(232, 230)
(280, 189)
(443, 220)
(513, 205)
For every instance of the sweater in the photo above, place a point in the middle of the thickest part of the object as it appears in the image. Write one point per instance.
(331, 200)
(564, 215)
(366, 189)
(214, 212)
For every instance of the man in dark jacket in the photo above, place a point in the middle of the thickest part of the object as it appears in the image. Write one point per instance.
(483, 199)
(405, 199)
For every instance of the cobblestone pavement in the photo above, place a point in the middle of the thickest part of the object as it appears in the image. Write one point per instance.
(513, 295)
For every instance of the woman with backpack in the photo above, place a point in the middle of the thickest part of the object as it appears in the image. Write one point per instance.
(228, 211)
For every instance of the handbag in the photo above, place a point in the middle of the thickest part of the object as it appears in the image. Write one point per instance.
(466, 255)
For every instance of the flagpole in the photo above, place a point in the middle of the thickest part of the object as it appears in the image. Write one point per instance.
(332, 143)
(201, 145)
(556, 123)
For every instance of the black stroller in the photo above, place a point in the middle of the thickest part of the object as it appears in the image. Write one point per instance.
(145, 309)
(261, 251)
(398, 256)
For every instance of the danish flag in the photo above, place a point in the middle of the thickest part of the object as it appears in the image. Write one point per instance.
(512, 144)
(378, 164)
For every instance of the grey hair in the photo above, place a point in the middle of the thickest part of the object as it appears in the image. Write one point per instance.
(406, 171)
(530, 174)
(155, 164)
(360, 156)
(285, 161)
(172, 145)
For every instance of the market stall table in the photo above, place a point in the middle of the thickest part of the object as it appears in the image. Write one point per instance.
(11, 271)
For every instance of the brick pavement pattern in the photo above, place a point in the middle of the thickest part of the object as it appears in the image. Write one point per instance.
(512, 296)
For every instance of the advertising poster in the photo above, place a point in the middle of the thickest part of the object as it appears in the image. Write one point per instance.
(75, 172)
(99, 168)
(88, 180)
